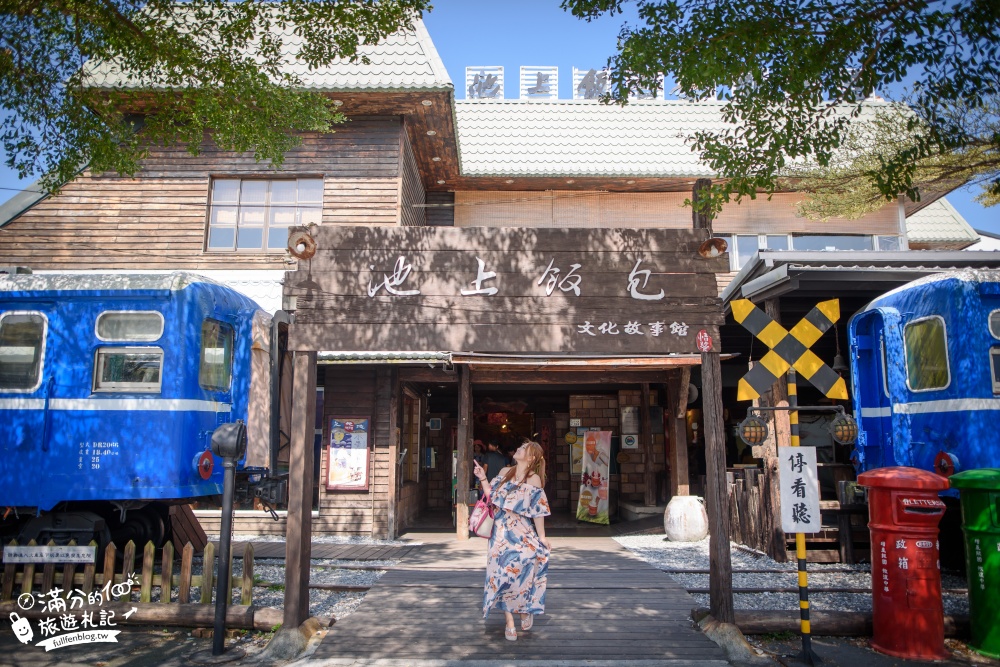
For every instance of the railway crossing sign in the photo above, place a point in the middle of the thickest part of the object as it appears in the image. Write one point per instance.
(789, 349)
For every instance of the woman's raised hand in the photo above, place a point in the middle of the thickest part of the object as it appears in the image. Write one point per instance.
(478, 471)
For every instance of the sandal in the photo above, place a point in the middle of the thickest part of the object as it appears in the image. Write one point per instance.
(510, 634)
(527, 620)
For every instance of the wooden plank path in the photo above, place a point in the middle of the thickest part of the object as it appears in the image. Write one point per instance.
(603, 607)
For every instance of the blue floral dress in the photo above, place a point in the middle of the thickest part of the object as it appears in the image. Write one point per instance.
(517, 565)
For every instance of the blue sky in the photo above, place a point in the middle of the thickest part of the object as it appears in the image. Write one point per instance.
(537, 32)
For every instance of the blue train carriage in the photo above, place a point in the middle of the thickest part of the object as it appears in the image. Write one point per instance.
(926, 374)
(110, 389)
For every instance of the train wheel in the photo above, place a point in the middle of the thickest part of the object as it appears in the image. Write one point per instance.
(140, 526)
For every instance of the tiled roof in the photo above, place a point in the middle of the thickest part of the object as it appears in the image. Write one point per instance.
(939, 222)
(404, 61)
(582, 137)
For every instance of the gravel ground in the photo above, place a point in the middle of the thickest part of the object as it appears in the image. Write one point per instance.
(269, 589)
(658, 551)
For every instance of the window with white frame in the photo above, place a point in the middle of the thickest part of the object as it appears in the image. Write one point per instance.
(130, 369)
(925, 344)
(254, 214)
(742, 247)
(22, 350)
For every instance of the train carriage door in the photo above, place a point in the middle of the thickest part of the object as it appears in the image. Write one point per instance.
(26, 381)
(872, 391)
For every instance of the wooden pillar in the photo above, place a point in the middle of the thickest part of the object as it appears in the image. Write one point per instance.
(780, 436)
(677, 392)
(464, 446)
(298, 533)
(716, 492)
(648, 474)
(393, 509)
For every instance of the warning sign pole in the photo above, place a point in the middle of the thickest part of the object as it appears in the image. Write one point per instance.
(800, 538)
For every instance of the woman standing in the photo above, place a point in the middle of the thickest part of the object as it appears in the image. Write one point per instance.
(518, 560)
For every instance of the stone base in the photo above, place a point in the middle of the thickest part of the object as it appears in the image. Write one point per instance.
(630, 511)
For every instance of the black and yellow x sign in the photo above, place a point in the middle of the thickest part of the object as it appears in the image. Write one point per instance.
(789, 349)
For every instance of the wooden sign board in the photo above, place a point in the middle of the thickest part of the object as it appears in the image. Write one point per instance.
(506, 290)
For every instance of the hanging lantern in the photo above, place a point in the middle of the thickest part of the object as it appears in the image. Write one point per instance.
(753, 430)
(844, 429)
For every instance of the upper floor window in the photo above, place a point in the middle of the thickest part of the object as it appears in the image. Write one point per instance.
(255, 214)
(742, 247)
(22, 349)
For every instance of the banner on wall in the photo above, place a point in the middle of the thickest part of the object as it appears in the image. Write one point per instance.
(593, 505)
(348, 460)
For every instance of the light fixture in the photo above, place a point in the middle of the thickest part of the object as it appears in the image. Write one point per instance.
(509, 181)
(630, 182)
(753, 430)
(426, 103)
(338, 103)
(441, 182)
(570, 182)
(435, 159)
(431, 133)
(839, 365)
(843, 429)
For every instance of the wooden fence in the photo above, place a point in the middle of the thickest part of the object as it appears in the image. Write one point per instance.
(751, 517)
(23, 578)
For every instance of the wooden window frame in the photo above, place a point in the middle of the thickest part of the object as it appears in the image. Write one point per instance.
(266, 206)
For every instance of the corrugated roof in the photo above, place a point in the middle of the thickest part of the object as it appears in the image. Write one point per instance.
(582, 137)
(360, 357)
(404, 61)
(939, 222)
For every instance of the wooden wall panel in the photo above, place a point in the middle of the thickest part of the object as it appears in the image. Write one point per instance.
(401, 289)
(157, 219)
(411, 211)
(441, 209)
(356, 391)
(651, 210)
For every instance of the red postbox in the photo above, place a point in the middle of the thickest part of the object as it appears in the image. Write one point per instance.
(904, 510)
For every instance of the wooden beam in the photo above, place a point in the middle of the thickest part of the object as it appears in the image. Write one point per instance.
(564, 377)
(464, 446)
(716, 492)
(298, 534)
(424, 374)
(394, 403)
(648, 474)
(781, 435)
(677, 392)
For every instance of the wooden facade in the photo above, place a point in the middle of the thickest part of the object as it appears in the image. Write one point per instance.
(393, 172)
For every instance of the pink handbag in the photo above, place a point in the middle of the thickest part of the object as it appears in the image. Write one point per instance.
(481, 519)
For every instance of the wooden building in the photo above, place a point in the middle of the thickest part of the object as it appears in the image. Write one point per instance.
(416, 187)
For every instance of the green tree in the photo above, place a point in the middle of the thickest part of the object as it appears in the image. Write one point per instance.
(94, 82)
(794, 75)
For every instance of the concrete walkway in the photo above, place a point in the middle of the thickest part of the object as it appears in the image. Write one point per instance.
(603, 607)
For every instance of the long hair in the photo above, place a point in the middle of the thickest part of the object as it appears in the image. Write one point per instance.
(536, 463)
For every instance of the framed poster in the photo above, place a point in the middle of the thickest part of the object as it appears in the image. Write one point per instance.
(347, 465)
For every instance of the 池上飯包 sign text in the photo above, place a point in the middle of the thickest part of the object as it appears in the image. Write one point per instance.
(589, 291)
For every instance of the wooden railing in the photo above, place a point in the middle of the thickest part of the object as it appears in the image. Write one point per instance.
(19, 579)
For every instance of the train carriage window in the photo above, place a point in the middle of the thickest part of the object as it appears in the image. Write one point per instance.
(128, 369)
(216, 368)
(138, 326)
(995, 366)
(995, 323)
(926, 347)
(22, 350)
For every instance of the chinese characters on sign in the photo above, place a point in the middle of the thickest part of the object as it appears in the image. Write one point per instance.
(589, 84)
(799, 490)
(484, 83)
(71, 617)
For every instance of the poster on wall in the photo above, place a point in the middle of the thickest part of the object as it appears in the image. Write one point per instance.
(575, 442)
(593, 505)
(347, 464)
